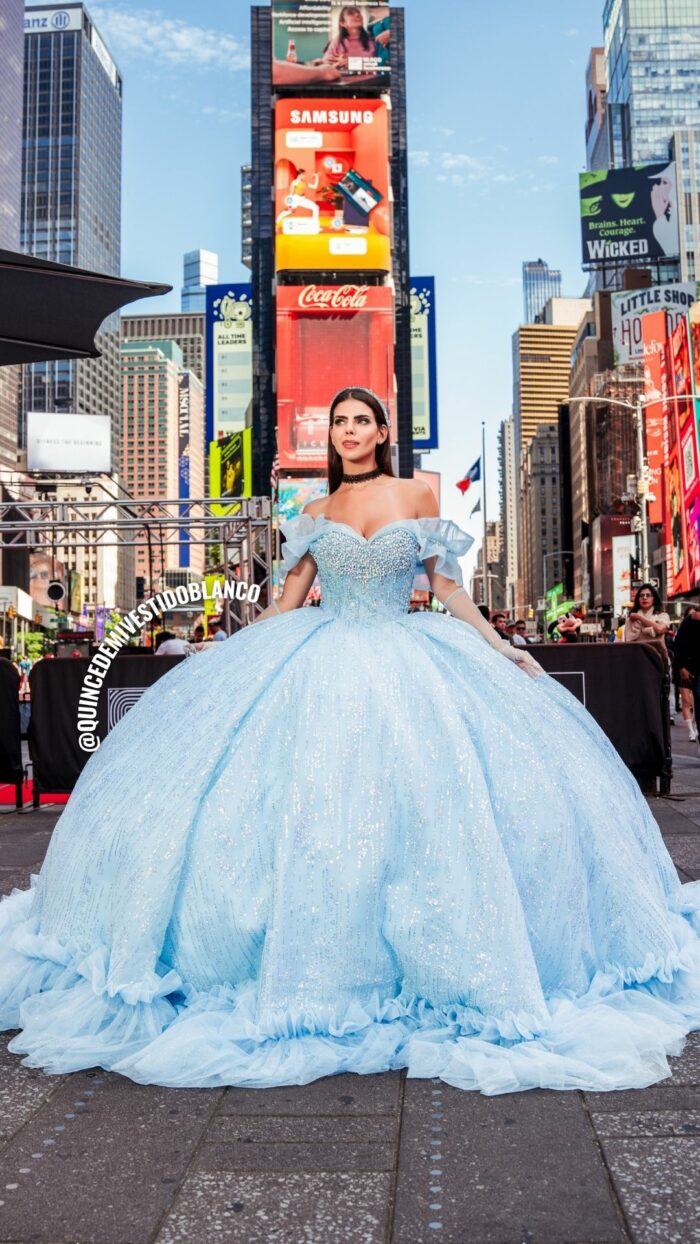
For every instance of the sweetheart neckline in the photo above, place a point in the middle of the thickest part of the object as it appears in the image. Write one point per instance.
(332, 522)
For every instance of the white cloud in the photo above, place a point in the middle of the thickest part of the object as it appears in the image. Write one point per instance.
(225, 114)
(477, 169)
(548, 159)
(572, 33)
(460, 168)
(168, 41)
(444, 130)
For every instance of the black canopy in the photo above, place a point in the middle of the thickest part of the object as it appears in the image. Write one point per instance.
(52, 311)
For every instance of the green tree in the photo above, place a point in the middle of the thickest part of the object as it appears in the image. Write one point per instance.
(33, 644)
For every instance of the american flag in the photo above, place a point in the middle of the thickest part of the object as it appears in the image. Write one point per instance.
(274, 473)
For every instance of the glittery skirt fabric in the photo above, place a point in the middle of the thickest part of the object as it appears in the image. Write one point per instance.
(355, 843)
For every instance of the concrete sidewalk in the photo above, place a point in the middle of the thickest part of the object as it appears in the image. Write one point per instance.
(95, 1159)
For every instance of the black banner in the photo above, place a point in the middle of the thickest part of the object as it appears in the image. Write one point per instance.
(10, 741)
(625, 688)
(57, 759)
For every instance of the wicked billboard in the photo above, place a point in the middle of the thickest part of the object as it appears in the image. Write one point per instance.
(629, 214)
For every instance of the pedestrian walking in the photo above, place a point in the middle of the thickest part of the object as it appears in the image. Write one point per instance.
(686, 664)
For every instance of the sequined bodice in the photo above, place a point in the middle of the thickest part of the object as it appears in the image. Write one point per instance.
(366, 576)
(372, 576)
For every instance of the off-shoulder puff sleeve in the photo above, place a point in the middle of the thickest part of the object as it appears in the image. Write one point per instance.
(297, 534)
(445, 540)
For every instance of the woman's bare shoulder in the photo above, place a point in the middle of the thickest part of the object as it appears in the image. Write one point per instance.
(314, 508)
(421, 496)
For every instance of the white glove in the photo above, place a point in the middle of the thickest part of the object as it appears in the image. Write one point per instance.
(522, 658)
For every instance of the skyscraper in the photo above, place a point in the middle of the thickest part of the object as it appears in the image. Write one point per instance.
(541, 554)
(185, 329)
(71, 191)
(12, 43)
(541, 362)
(508, 488)
(685, 150)
(540, 283)
(162, 445)
(597, 140)
(652, 54)
(200, 268)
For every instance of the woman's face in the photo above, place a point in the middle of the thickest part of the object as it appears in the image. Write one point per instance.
(355, 432)
(351, 19)
(646, 599)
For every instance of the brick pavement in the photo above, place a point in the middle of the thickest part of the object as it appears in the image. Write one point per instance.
(94, 1159)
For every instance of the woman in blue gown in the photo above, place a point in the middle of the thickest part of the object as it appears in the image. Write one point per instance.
(390, 847)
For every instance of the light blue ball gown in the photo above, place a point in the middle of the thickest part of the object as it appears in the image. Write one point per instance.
(352, 839)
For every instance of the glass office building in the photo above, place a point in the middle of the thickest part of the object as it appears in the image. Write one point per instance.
(540, 283)
(71, 191)
(685, 150)
(12, 44)
(200, 268)
(652, 53)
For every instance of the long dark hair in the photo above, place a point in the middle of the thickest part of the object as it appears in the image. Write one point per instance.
(382, 452)
(343, 31)
(647, 587)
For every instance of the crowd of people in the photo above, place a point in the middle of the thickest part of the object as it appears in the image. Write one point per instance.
(168, 644)
(646, 622)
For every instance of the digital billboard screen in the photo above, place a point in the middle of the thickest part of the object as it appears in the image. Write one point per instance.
(332, 185)
(681, 498)
(629, 213)
(74, 444)
(423, 363)
(229, 355)
(323, 44)
(655, 327)
(328, 336)
(231, 468)
(183, 460)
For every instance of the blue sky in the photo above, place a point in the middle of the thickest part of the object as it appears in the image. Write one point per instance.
(496, 117)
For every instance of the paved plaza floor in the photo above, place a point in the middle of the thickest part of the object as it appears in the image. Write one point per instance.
(92, 1158)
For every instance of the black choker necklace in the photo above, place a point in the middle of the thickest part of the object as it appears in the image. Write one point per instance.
(359, 479)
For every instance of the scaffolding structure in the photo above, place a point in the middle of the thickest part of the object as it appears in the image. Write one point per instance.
(241, 526)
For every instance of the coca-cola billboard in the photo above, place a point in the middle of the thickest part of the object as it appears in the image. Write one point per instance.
(328, 336)
(333, 297)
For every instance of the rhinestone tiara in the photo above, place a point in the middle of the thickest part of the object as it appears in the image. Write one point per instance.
(361, 388)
